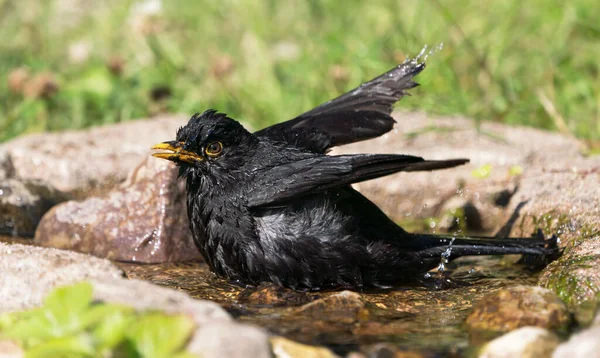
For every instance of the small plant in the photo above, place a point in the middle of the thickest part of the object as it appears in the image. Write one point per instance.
(71, 324)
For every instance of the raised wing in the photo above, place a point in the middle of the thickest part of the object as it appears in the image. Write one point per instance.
(284, 182)
(360, 114)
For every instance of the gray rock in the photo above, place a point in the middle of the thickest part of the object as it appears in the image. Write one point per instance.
(22, 205)
(78, 161)
(230, 340)
(525, 342)
(502, 147)
(29, 273)
(143, 295)
(143, 220)
(581, 345)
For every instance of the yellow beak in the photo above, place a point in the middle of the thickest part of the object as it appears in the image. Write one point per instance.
(175, 153)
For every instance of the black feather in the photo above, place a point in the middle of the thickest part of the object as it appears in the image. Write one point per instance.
(360, 114)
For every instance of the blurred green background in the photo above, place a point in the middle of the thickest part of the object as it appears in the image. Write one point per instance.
(78, 63)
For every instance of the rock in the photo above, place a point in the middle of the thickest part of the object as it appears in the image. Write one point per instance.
(284, 348)
(230, 340)
(29, 273)
(583, 344)
(503, 148)
(22, 205)
(345, 307)
(564, 201)
(143, 220)
(525, 342)
(518, 306)
(9, 349)
(143, 295)
(78, 161)
(575, 276)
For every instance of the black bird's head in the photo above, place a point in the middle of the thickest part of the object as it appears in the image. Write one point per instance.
(210, 143)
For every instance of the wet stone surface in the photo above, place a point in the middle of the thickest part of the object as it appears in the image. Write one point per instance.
(418, 320)
(143, 220)
(518, 306)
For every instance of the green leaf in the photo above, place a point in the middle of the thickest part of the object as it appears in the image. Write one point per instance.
(71, 346)
(97, 314)
(65, 307)
(30, 327)
(111, 331)
(156, 335)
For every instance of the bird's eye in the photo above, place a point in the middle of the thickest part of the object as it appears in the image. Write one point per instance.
(214, 149)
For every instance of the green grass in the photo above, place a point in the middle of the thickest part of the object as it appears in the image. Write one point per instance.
(533, 63)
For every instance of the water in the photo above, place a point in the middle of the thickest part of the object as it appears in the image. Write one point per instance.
(426, 318)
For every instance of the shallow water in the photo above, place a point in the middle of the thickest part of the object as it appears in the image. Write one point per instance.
(420, 318)
(416, 318)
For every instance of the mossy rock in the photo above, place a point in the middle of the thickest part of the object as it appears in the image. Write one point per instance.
(575, 277)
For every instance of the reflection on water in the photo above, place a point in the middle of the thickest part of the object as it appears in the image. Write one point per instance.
(420, 317)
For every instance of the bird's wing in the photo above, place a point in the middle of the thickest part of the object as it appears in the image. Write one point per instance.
(360, 114)
(280, 183)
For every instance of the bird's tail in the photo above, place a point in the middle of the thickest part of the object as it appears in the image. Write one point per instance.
(452, 247)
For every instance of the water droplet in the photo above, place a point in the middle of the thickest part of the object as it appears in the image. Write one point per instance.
(421, 53)
(441, 267)
(472, 270)
(432, 224)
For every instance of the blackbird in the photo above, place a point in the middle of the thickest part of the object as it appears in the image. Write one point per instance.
(273, 206)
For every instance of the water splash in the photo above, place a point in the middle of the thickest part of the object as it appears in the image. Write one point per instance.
(426, 52)
(445, 258)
